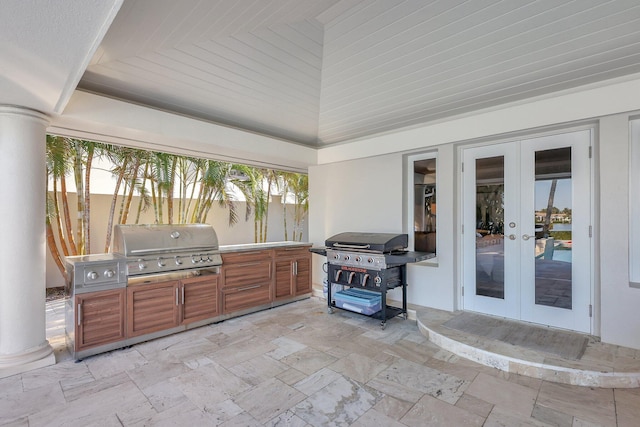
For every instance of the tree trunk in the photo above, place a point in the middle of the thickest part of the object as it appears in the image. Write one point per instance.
(144, 182)
(112, 209)
(77, 171)
(51, 242)
(547, 219)
(132, 187)
(67, 216)
(87, 200)
(56, 208)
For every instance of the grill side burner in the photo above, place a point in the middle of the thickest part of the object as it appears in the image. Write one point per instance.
(371, 261)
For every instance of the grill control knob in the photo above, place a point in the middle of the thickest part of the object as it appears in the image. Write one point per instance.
(370, 260)
(141, 264)
(161, 262)
(109, 273)
(336, 256)
(92, 275)
(358, 259)
(178, 260)
(347, 257)
(195, 260)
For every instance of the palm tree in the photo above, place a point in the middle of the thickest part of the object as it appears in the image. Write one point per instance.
(133, 182)
(251, 186)
(213, 186)
(58, 165)
(299, 185)
(271, 178)
(126, 163)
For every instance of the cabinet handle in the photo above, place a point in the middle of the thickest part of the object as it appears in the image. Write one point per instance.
(177, 302)
(249, 264)
(248, 287)
(269, 270)
(251, 253)
(182, 294)
(80, 314)
(295, 268)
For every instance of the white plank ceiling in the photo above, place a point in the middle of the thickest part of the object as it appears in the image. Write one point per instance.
(319, 72)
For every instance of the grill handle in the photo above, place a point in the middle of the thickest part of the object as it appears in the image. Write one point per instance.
(343, 245)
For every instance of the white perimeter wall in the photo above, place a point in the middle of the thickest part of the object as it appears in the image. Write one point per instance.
(241, 232)
(359, 186)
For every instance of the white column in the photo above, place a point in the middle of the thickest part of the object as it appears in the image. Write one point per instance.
(23, 344)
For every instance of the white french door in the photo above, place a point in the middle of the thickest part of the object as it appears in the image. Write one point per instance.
(526, 230)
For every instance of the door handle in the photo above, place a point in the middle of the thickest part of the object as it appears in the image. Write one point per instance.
(526, 237)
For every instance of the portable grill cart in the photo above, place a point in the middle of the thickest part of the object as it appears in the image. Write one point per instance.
(372, 262)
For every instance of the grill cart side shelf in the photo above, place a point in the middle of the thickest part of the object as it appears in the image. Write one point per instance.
(386, 312)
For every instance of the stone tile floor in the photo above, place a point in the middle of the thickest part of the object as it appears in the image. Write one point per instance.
(296, 365)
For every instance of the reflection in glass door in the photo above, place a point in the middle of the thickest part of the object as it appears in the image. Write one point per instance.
(490, 227)
(553, 243)
(526, 230)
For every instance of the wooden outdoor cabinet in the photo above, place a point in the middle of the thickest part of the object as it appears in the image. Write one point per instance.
(153, 307)
(246, 280)
(293, 272)
(199, 298)
(100, 318)
(164, 305)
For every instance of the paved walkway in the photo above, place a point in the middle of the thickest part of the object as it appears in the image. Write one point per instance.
(296, 365)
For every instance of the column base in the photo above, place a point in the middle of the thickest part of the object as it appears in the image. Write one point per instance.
(33, 358)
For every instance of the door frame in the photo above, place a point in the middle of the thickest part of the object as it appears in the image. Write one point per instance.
(594, 197)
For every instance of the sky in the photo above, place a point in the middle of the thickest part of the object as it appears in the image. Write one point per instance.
(562, 197)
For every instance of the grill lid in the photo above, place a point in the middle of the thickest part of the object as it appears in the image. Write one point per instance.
(372, 242)
(139, 240)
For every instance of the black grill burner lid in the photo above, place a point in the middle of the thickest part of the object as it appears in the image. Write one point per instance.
(372, 242)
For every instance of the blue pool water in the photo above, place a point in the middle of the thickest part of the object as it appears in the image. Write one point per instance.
(562, 255)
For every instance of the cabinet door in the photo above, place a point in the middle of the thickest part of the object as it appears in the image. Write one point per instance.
(99, 318)
(244, 297)
(199, 298)
(284, 279)
(153, 307)
(303, 275)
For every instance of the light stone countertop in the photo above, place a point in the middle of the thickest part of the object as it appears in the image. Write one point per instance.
(257, 246)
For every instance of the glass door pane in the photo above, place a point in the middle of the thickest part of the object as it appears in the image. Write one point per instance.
(490, 277)
(553, 218)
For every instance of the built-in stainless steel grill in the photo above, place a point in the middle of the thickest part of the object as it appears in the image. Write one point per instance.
(370, 261)
(174, 258)
(153, 249)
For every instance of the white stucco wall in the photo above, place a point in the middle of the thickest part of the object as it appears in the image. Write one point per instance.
(620, 322)
(367, 195)
(606, 107)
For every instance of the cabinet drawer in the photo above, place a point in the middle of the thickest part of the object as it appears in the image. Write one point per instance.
(239, 298)
(292, 252)
(245, 257)
(246, 274)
